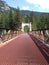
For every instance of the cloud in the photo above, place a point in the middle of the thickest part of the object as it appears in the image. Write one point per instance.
(43, 4)
(25, 7)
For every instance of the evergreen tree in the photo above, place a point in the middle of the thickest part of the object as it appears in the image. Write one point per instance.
(11, 23)
(27, 18)
(17, 19)
(41, 23)
(31, 17)
(47, 21)
(1, 20)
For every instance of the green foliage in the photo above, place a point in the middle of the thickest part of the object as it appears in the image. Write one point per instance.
(47, 21)
(1, 22)
(26, 29)
(10, 20)
(27, 18)
(31, 17)
(0, 32)
(17, 18)
(13, 20)
(41, 23)
(34, 27)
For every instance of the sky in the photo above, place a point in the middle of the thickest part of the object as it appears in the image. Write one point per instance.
(32, 5)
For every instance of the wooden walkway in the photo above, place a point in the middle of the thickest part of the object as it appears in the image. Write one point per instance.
(21, 51)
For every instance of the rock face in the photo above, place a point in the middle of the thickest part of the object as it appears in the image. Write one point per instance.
(4, 6)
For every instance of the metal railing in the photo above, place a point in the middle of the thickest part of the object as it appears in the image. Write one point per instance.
(7, 34)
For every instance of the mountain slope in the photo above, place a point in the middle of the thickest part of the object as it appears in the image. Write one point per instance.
(4, 7)
(27, 12)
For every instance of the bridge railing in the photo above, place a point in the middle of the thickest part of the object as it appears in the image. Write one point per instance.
(43, 46)
(42, 34)
(7, 34)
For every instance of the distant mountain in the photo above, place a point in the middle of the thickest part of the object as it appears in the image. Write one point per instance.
(4, 7)
(27, 12)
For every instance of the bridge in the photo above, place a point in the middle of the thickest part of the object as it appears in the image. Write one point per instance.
(24, 49)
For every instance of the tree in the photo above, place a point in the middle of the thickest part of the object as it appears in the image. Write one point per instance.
(17, 19)
(32, 20)
(1, 20)
(31, 17)
(47, 21)
(27, 18)
(7, 21)
(11, 23)
(41, 23)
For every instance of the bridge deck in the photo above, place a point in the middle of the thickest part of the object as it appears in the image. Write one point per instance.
(21, 51)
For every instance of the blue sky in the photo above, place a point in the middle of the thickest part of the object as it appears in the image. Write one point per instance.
(33, 5)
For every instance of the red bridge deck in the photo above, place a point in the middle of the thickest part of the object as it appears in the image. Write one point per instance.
(21, 51)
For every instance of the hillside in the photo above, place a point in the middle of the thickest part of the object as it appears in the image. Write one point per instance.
(4, 7)
(27, 12)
